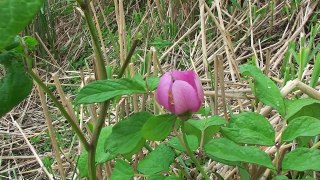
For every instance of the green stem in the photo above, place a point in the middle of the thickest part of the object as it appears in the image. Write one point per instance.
(147, 146)
(56, 102)
(101, 74)
(93, 144)
(99, 62)
(190, 153)
(128, 58)
(102, 115)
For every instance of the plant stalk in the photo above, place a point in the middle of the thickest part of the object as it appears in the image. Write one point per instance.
(101, 74)
(93, 144)
(190, 153)
(56, 102)
(99, 62)
(128, 58)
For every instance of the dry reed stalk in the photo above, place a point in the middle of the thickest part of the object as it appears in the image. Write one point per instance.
(67, 105)
(278, 56)
(222, 86)
(47, 51)
(96, 21)
(49, 176)
(190, 30)
(155, 73)
(159, 8)
(229, 95)
(52, 135)
(226, 40)
(216, 85)
(121, 29)
(106, 23)
(251, 35)
(135, 96)
(204, 46)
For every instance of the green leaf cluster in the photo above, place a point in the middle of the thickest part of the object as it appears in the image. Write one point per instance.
(264, 88)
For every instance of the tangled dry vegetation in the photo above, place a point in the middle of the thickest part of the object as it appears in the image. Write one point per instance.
(211, 38)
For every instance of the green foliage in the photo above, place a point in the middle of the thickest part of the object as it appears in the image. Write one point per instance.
(192, 141)
(302, 107)
(302, 159)
(152, 82)
(301, 126)
(15, 85)
(161, 177)
(307, 50)
(122, 170)
(263, 84)
(101, 155)
(225, 149)
(48, 161)
(250, 128)
(82, 164)
(160, 43)
(102, 90)
(316, 72)
(204, 129)
(157, 161)
(14, 17)
(157, 128)
(281, 178)
(126, 136)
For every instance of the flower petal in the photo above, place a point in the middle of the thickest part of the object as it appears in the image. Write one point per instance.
(199, 88)
(187, 76)
(162, 92)
(190, 77)
(185, 97)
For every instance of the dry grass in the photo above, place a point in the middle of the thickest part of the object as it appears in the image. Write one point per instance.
(219, 37)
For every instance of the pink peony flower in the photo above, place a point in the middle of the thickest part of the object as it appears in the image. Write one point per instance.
(180, 92)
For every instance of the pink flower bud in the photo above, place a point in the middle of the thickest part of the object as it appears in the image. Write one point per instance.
(180, 92)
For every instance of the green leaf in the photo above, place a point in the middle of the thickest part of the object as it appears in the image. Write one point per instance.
(226, 149)
(122, 170)
(192, 141)
(250, 128)
(30, 42)
(101, 155)
(243, 172)
(203, 124)
(204, 128)
(302, 107)
(102, 90)
(263, 84)
(15, 15)
(205, 111)
(161, 177)
(157, 128)
(152, 82)
(83, 164)
(315, 72)
(157, 161)
(301, 126)
(281, 178)
(139, 79)
(236, 4)
(14, 44)
(136, 149)
(16, 85)
(126, 135)
(302, 159)
(156, 177)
